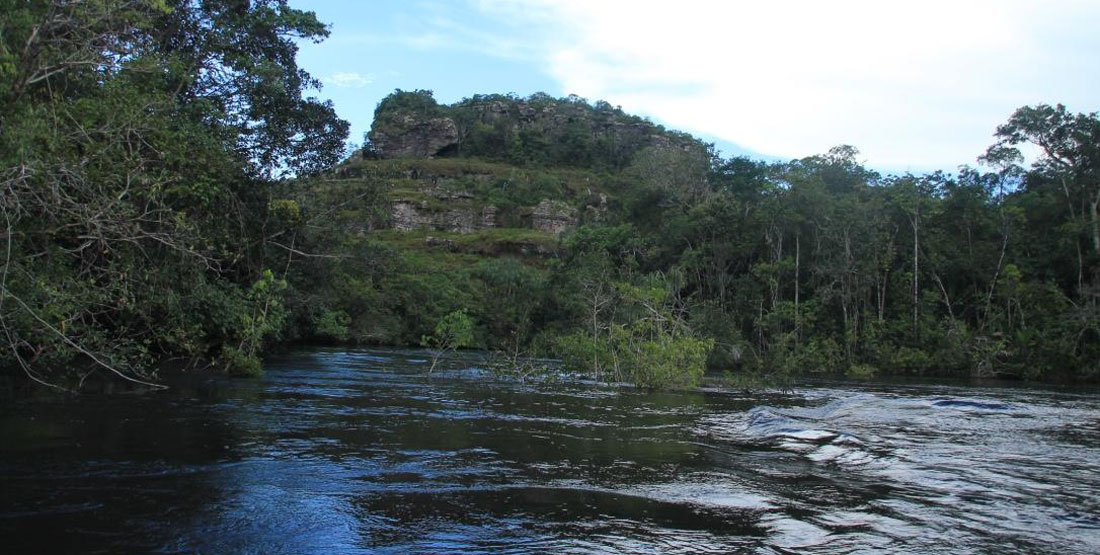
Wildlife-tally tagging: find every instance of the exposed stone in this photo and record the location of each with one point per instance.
(410, 137)
(526, 112)
(405, 216)
(497, 109)
(457, 220)
(488, 217)
(515, 248)
(409, 216)
(553, 216)
(664, 142)
(349, 172)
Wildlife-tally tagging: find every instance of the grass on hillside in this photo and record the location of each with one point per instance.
(482, 240)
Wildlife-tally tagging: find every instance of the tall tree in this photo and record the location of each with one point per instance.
(1069, 146)
(137, 143)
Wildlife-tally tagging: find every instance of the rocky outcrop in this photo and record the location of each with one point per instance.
(409, 216)
(488, 217)
(414, 125)
(550, 216)
(553, 216)
(405, 216)
(440, 243)
(410, 137)
(505, 247)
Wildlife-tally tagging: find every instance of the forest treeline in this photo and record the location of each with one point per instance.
(813, 266)
(159, 201)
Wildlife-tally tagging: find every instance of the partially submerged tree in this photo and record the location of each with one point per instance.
(454, 331)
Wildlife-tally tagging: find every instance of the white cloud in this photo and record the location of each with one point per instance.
(349, 80)
(911, 84)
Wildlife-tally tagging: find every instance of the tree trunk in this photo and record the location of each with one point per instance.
(1094, 211)
(797, 256)
(915, 221)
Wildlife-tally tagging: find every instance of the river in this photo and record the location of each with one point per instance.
(362, 452)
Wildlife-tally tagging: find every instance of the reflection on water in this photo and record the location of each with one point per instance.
(362, 452)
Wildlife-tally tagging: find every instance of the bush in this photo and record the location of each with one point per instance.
(861, 371)
(669, 361)
(240, 363)
(454, 331)
(333, 325)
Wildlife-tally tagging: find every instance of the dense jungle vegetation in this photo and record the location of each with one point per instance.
(168, 192)
(140, 143)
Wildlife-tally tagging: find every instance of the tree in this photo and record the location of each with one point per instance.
(1070, 158)
(233, 63)
(138, 141)
(454, 331)
(680, 174)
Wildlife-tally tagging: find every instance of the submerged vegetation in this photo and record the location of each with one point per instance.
(168, 192)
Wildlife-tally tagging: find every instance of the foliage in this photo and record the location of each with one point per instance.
(333, 325)
(420, 103)
(265, 316)
(632, 331)
(136, 156)
(454, 331)
(142, 219)
(814, 266)
(538, 130)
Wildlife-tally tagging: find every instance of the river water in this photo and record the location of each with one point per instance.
(361, 451)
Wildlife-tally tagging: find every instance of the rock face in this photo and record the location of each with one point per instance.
(418, 127)
(553, 216)
(414, 138)
(404, 216)
(488, 217)
(409, 216)
(550, 216)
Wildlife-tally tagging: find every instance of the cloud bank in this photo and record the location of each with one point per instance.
(914, 85)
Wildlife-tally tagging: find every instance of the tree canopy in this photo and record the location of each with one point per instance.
(136, 156)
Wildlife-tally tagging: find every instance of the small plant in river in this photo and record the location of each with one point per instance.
(516, 365)
(455, 330)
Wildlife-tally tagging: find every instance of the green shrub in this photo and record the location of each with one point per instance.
(861, 371)
(240, 363)
(454, 331)
(333, 325)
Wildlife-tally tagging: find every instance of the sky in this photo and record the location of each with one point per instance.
(915, 86)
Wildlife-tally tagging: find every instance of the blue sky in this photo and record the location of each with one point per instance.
(915, 86)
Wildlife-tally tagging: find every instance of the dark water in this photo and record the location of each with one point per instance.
(339, 452)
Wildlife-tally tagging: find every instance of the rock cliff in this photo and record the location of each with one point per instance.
(553, 216)
(536, 129)
(408, 215)
(410, 137)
